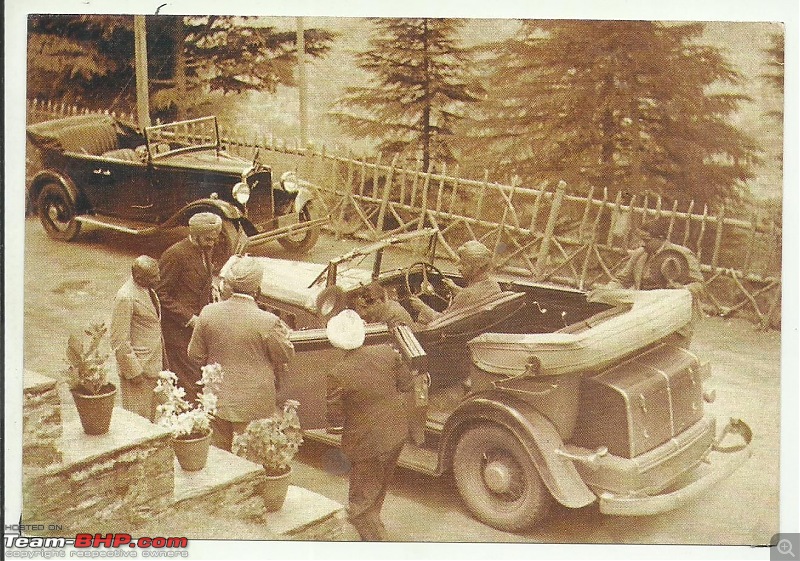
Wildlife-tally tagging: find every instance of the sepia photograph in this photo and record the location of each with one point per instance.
(406, 281)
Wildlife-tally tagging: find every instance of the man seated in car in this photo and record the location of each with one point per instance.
(474, 264)
(374, 304)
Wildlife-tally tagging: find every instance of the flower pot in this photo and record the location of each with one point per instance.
(95, 410)
(192, 453)
(274, 490)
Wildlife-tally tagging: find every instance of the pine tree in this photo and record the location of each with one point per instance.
(90, 58)
(419, 86)
(775, 76)
(626, 105)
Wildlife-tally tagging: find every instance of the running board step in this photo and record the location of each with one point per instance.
(422, 460)
(112, 223)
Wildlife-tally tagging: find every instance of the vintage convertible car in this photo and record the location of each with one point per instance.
(102, 171)
(538, 394)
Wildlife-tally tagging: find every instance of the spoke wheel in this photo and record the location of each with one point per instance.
(497, 479)
(57, 213)
(302, 241)
(431, 282)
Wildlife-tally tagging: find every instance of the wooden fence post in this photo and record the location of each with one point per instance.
(541, 258)
(387, 191)
(718, 239)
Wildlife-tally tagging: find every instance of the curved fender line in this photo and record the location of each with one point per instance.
(303, 196)
(536, 434)
(48, 175)
(218, 206)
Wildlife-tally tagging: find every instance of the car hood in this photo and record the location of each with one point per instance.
(290, 281)
(206, 160)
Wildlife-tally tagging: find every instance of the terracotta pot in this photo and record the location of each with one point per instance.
(95, 410)
(274, 490)
(192, 453)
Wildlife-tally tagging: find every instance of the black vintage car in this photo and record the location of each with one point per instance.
(102, 171)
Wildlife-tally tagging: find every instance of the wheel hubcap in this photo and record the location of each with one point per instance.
(498, 476)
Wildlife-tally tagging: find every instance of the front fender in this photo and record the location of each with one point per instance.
(534, 431)
(224, 209)
(303, 196)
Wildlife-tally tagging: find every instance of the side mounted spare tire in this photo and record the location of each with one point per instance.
(497, 480)
(303, 241)
(57, 213)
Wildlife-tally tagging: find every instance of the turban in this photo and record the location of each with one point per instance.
(346, 330)
(245, 275)
(205, 222)
(474, 253)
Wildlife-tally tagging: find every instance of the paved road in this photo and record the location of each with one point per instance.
(69, 284)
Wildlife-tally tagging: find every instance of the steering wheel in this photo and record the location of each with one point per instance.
(438, 289)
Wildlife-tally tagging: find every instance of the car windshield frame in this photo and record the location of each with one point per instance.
(156, 134)
(330, 272)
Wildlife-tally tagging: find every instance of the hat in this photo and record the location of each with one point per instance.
(205, 222)
(475, 253)
(244, 275)
(346, 330)
(656, 228)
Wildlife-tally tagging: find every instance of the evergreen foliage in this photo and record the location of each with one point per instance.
(633, 106)
(89, 59)
(419, 85)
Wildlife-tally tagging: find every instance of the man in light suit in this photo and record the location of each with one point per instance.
(251, 345)
(136, 337)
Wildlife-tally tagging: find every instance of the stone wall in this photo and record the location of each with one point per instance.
(41, 422)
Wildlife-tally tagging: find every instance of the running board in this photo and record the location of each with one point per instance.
(111, 223)
(422, 460)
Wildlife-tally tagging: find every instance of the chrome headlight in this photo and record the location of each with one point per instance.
(241, 192)
(289, 182)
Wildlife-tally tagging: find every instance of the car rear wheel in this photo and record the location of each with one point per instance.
(497, 480)
(305, 240)
(57, 213)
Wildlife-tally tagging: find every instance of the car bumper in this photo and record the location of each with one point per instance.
(717, 464)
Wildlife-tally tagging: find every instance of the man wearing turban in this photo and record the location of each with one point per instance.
(185, 287)
(474, 264)
(365, 396)
(252, 346)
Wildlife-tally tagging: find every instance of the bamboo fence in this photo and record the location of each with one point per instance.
(544, 232)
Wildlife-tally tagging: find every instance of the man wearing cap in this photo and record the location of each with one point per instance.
(136, 337)
(185, 287)
(366, 387)
(658, 263)
(251, 345)
(474, 264)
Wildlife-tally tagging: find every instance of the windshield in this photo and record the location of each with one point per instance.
(182, 136)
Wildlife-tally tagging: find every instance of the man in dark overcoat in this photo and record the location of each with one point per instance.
(366, 388)
(252, 346)
(185, 287)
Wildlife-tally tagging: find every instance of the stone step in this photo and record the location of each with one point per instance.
(108, 482)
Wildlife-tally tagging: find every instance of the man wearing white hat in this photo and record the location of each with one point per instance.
(251, 345)
(185, 287)
(366, 389)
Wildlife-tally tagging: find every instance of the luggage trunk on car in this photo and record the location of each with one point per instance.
(641, 403)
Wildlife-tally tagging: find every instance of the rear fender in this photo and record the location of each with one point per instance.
(537, 434)
(222, 208)
(52, 176)
(303, 196)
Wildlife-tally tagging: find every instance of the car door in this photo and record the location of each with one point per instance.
(114, 188)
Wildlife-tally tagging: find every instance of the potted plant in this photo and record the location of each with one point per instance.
(190, 423)
(273, 443)
(87, 377)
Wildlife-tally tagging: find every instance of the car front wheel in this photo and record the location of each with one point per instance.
(497, 479)
(305, 240)
(57, 213)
